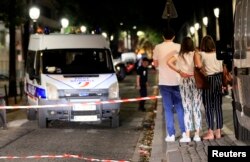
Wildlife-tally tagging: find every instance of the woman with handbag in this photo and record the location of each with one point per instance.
(183, 63)
(212, 97)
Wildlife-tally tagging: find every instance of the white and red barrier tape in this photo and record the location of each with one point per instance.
(82, 103)
(59, 156)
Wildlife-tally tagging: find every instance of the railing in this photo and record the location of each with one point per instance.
(5, 93)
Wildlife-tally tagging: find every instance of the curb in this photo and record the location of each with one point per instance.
(158, 149)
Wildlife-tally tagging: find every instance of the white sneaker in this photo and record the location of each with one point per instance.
(185, 138)
(170, 138)
(197, 138)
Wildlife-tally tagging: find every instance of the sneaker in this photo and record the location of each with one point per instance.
(197, 138)
(185, 138)
(170, 138)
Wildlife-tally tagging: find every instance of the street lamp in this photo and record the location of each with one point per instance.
(34, 14)
(204, 26)
(140, 34)
(197, 26)
(83, 29)
(216, 14)
(64, 23)
(105, 34)
(192, 30)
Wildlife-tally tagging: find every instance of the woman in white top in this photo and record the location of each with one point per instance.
(212, 97)
(183, 63)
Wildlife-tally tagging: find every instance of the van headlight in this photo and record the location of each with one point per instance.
(114, 91)
(52, 92)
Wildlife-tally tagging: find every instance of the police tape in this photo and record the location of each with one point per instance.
(67, 156)
(82, 103)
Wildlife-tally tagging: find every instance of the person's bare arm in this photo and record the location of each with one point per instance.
(156, 63)
(171, 63)
(197, 59)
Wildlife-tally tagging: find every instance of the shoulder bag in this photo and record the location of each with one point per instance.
(200, 79)
(226, 77)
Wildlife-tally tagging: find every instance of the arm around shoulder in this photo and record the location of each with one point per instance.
(197, 59)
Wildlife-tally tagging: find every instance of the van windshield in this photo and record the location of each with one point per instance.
(76, 61)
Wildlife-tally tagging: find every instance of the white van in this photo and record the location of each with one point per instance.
(71, 69)
(241, 71)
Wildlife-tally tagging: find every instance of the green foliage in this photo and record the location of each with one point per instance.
(153, 36)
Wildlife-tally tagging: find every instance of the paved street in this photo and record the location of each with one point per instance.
(23, 138)
(193, 151)
(161, 151)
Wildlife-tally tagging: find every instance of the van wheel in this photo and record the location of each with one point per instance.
(115, 121)
(31, 114)
(241, 133)
(42, 120)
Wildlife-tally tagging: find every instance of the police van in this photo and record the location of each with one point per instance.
(72, 70)
(241, 71)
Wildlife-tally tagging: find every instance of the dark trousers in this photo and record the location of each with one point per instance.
(143, 93)
(212, 100)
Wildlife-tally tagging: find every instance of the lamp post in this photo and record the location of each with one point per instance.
(233, 6)
(64, 23)
(196, 34)
(34, 14)
(204, 26)
(216, 14)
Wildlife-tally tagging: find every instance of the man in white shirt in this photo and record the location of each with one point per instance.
(169, 84)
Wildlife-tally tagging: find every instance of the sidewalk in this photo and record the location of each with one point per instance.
(193, 151)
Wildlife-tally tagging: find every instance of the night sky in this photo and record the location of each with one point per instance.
(109, 13)
(149, 12)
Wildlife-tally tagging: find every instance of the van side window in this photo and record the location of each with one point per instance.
(30, 69)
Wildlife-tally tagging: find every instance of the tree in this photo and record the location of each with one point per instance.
(12, 54)
(12, 13)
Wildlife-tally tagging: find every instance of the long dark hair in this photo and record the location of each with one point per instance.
(207, 44)
(187, 45)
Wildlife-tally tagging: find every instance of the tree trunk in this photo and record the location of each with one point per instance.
(12, 50)
(25, 40)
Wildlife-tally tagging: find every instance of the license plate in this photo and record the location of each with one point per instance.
(86, 118)
(81, 107)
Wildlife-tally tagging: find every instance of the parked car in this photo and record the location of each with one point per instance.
(129, 59)
(124, 63)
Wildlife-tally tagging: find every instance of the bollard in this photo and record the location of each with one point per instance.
(3, 121)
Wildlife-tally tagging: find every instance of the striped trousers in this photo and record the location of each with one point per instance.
(212, 100)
